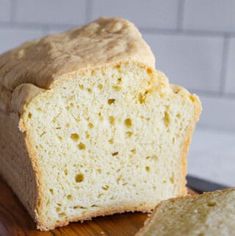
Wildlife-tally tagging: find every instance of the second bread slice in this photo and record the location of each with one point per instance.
(207, 214)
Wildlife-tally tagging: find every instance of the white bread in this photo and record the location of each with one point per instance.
(89, 128)
(208, 214)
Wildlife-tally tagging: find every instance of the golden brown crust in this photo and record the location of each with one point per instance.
(189, 132)
(38, 217)
(101, 42)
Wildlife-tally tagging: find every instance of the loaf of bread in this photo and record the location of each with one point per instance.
(89, 127)
(209, 214)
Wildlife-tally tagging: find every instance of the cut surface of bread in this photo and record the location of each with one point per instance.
(209, 214)
(89, 126)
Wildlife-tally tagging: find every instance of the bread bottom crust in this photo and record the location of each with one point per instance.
(104, 212)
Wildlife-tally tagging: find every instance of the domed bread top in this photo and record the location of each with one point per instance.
(104, 41)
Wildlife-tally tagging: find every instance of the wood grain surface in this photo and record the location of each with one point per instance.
(14, 220)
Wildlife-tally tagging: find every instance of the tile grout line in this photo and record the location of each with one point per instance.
(13, 10)
(186, 32)
(180, 17)
(212, 94)
(214, 128)
(29, 25)
(89, 4)
(153, 31)
(223, 70)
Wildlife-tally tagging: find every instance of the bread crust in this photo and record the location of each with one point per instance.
(188, 138)
(41, 62)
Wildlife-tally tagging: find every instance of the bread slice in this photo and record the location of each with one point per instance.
(89, 128)
(199, 215)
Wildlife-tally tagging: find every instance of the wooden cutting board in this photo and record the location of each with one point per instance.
(14, 220)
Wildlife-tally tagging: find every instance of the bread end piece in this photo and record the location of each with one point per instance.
(211, 213)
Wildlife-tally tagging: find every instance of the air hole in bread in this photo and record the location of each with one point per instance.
(166, 118)
(119, 179)
(105, 187)
(87, 135)
(79, 178)
(66, 171)
(111, 120)
(110, 141)
(100, 86)
(58, 209)
(69, 197)
(192, 98)
(30, 115)
(111, 101)
(128, 122)
(62, 214)
(43, 133)
(118, 67)
(129, 134)
(147, 168)
(90, 125)
(172, 179)
(133, 151)
(178, 115)
(155, 157)
(81, 146)
(51, 191)
(114, 153)
(116, 87)
(149, 71)
(141, 98)
(81, 86)
(75, 137)
(100, 116)
(211, 204)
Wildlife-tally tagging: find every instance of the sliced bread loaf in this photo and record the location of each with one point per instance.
(89, 128)
(209, 214)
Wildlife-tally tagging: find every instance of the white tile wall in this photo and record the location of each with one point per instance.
(212, 156)
(218, 112)
(230, 70)
(149, 14)
(12, 37)
(187, 36)
(5, 10)
(192, 61)
(210, 15)
(51, 12)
